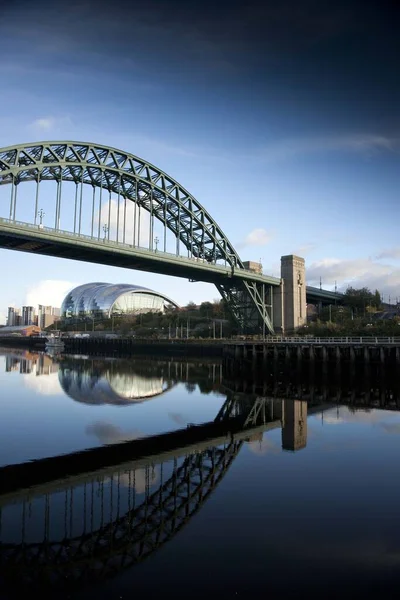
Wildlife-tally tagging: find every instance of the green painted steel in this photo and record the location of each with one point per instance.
(149, 188)
(125, 174)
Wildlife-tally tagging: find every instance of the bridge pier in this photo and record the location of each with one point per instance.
(289, 299)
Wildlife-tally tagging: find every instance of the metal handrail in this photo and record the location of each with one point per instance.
(333, 340)
(113, 243)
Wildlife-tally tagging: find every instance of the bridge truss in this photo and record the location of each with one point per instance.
(121, 521)
(103, 203)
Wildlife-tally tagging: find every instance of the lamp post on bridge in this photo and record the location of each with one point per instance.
(41, 214)
(156, 240)
(105, 229)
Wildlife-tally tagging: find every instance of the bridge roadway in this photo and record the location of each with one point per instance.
(25, 237)
(54, 474)
(16, 235)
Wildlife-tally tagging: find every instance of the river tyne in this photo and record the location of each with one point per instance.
(125, 477)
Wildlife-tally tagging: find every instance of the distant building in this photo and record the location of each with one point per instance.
(19, 331)
(255, 267)
(47, 315)
(102, 300)
(28, 315)
(13, 317)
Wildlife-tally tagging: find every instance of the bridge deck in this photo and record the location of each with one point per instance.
(15, 235)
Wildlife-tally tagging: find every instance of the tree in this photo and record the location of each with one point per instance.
(206, 309)
(190, 306)
(361, 298)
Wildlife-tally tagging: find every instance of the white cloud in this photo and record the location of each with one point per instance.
(367, 416)
(263, 446)
(46, 385)
(107, 433)
(358, 272)
(303, 250)
(50, 292)
(144, 221)
(49, 123)
(389, 253)
(360, 143)
(256, 237)
(138, 478)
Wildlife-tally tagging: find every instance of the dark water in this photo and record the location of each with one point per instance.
(275, 497)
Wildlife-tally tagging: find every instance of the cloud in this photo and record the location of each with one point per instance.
(177, 418)
(50, 292)
(256, 237)
(304, 249)
(367, 416)
(137, 479)
(144, 221)
(107, 433)
(358, 272)
(263, 446)
(366, 144)
(393, 428)
(49, 123)
(389, 253)
(46, 385)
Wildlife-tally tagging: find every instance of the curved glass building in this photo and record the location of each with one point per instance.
(102, 300)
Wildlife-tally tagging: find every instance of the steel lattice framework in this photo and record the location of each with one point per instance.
(133, 179)
(128, 539)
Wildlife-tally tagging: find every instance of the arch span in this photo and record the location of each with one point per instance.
(131, 179)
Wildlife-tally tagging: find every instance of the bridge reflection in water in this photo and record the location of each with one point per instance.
(72, 520)
(80, 526)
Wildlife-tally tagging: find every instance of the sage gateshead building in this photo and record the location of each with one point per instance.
(104, 300)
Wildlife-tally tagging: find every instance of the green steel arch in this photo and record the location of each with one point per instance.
(125, 174)
(135, 179)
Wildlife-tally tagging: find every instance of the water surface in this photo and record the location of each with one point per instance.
(303, 498)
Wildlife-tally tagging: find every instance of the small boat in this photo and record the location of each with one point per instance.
(54, 342)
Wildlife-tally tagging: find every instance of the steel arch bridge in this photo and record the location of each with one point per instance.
(132, 532)
(122, 189)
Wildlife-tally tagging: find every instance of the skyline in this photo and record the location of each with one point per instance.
(282, 121)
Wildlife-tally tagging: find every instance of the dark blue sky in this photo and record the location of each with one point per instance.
(288, 109)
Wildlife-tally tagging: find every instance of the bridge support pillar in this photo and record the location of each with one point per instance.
(293, 274)
(278, 295)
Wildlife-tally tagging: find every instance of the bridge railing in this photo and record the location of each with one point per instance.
(333, 340)
(115, 244)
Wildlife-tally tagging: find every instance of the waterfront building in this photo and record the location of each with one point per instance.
(47, 315)
(28, 315)
(104, 300)
(19, 331)
(13, 317)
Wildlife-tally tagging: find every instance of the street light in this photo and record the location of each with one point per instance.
(156, 240)
(41, 214)
(105, 229)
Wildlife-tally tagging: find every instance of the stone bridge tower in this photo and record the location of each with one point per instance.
(290, 308)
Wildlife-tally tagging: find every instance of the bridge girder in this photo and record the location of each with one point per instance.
(130, 538)
(136, 180)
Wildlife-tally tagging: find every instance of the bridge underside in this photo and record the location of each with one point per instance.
(246, 299)
(84, 189)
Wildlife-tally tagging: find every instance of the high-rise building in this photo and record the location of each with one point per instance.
(28, 315)
(13, 317)
(47, 315)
